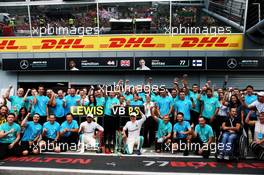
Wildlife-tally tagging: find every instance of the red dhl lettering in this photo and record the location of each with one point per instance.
(62, 44)
(204, 42)
(131, 42)
(8, 44)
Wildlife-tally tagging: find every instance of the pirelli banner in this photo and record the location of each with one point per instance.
(123, 43)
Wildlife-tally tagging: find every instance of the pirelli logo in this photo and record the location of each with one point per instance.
(119, 43)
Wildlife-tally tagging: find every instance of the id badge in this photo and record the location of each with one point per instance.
(260, 136)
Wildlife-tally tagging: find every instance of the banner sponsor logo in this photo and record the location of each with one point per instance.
(120, 43)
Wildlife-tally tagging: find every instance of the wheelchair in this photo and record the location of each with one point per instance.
(240, 146)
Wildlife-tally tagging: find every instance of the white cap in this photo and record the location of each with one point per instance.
(261, 93)
(133, 114)
(90, 115)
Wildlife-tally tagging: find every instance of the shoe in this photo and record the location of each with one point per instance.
(226, 157)
(220, 157)
(186, 153)
(138, 152)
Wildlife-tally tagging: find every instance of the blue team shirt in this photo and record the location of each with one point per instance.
(163, 129)
(17, 102)
(11, 137)
(67, 125)
(204, 132)
(52, 129)
(32, 130)
(210, 105)
(178, 128)
(108, 105)
(41, 105)
(196, 101)
(184, 106)
(164, 104)
(248, 100)
(71, 101)
(100, 101)
(136, 103)
(58, 110)
(142, 95)
(30, 99)
(128, 97)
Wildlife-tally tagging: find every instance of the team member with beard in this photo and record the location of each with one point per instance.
(9, 137)
(3, 114)
(31, 135)
(41, 104)
(90, 131)
(181, 133)
(195, 112)
(58, 110)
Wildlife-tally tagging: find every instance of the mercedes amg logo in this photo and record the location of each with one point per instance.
(232, 63)
(24, 64)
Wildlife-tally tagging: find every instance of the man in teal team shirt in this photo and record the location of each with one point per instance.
(17, 101)
(203, 135)
(210, 107)
(164, 103)
(58, 110)
(195, 96)
(31, 135)
(136, 101)
(50, 135)
(9, 137)
(184, 106)
(69, 133)
(109, 120)
(41, 104)
(71, 100)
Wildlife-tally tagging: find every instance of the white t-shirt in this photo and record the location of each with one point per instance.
(147, 107)
(134, 128)
(258, 105)
(89, 128)
(259, 129)
(143, 68)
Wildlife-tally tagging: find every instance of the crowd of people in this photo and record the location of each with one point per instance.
(39, 120)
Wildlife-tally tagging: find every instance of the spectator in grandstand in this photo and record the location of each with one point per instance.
(142, 65)
(68, 133)
(3, 114)
(210, 106)
(71, 100)
(90, 134)
(9, 137)
(17, 101)
(40, 102)
(184, 106)
(58, 109)
(150, 124)
(231, 128)
(203, 135)
(257, 146)
(134, 139)
(50, 135)
(181, 134)
(31, 136)
(163, 134)
(110, 127)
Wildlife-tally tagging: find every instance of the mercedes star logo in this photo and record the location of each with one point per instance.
(232, 63)
(24, 64)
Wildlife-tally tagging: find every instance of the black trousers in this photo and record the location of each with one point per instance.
(206, 153)
(194, 117)
(150, 127)
(217, 124)
(67, 142)
(5, 151)
(109, 129)
(42, 119)
(60, 120)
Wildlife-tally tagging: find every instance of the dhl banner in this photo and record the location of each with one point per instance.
(123, 43)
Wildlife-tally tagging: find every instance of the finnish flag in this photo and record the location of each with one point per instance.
(197, 63)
